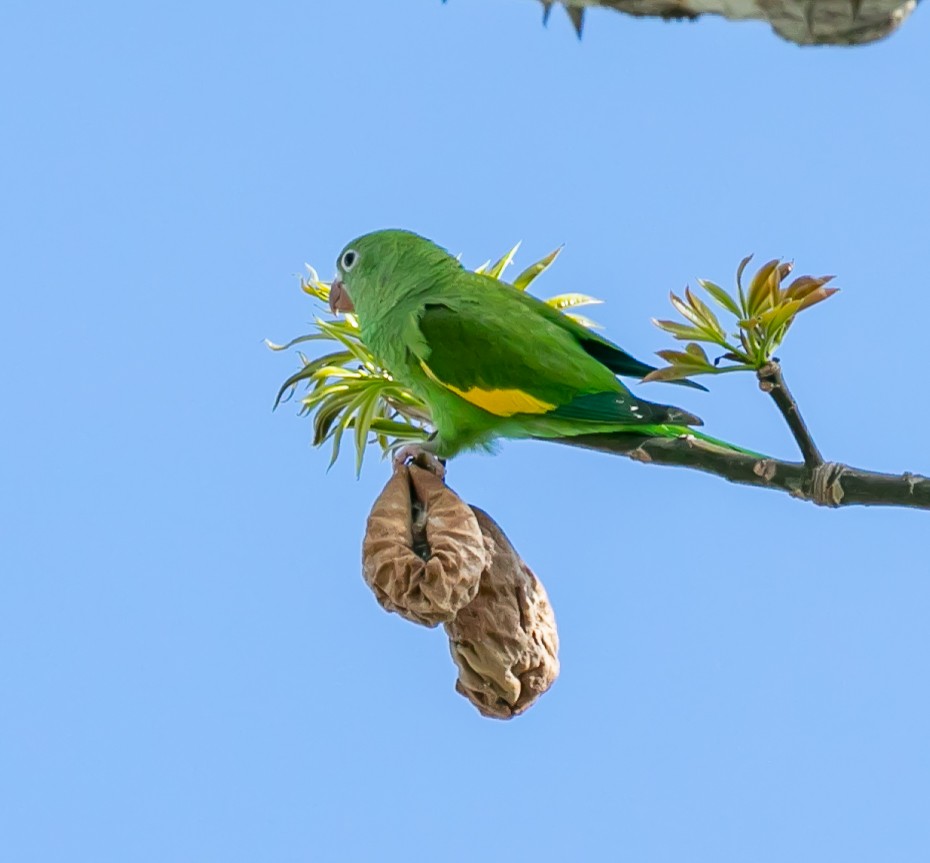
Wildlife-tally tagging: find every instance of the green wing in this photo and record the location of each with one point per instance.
(596, 346)
(498, 352)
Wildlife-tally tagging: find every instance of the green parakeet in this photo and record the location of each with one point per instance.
(488, 360)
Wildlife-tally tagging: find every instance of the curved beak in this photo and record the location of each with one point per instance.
(339, 299)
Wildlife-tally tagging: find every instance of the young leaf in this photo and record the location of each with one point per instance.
(363, 420)
(816, 296)
(523, 281)
(721, 296)
(712, 325)
(686, 358)
(804, 285)
(586, 322)
(496, 270)
(739, 281)
(761, 288)
(686, 311)
(572, 301)
(696, 351)
(674, 373)
(679, 331)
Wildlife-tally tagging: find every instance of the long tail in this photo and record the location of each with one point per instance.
(721, 443)
(674, 431)
(644, 430)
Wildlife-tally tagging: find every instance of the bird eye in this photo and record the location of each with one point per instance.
(349, 259)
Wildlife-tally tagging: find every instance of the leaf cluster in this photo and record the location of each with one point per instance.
(763, 313)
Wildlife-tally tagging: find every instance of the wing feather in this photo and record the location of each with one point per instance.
(497, 352)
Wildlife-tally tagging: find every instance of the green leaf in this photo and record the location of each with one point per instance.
(685, 358)
(721, 296)
(739, 281)
(331, 394)
(584, 321)
(817, 296)
(398, 429)
(313, 337)
(350, 340)
(761, 288)
(363, 420)
(784, 270)
(680, 331)
(775, 318)
(329, 412)
(309, 370)
(686, 311)
(696, 351)
(523, 281)
(572, 301)
(676, 373)
(337, 372)
(348, 417)
(497, 269)
(706, 314)
(313, 286)
(804, 285)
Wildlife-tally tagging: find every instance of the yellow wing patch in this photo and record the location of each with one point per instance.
(502, 403)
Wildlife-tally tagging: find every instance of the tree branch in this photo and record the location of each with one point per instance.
(824, 22)
(772, 382)
(828, 484)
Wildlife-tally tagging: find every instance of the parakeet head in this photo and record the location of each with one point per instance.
(378, 269)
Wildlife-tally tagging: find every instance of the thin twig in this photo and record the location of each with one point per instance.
(772, 382)
(844, 485)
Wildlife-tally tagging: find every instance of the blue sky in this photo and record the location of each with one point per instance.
(192, 668)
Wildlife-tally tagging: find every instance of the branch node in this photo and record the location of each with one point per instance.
(765, 468)
(828, 484)
(825, 487)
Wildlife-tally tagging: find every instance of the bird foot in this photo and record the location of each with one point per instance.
(422, 457)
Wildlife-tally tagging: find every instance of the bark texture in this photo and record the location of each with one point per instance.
(828, 484)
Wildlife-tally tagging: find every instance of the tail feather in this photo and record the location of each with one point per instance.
(674, 431)
(617, 408)
(723, 444)
(664, 431)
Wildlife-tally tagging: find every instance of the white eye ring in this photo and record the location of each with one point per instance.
(349, 259)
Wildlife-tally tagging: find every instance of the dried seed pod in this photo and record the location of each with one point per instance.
(504, 642)
(423, 552)
(431, 558)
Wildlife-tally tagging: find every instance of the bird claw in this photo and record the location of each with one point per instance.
(422, 457)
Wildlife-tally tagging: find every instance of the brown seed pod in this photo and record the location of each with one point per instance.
(504, 642)
(423, 552)
(431, 558)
